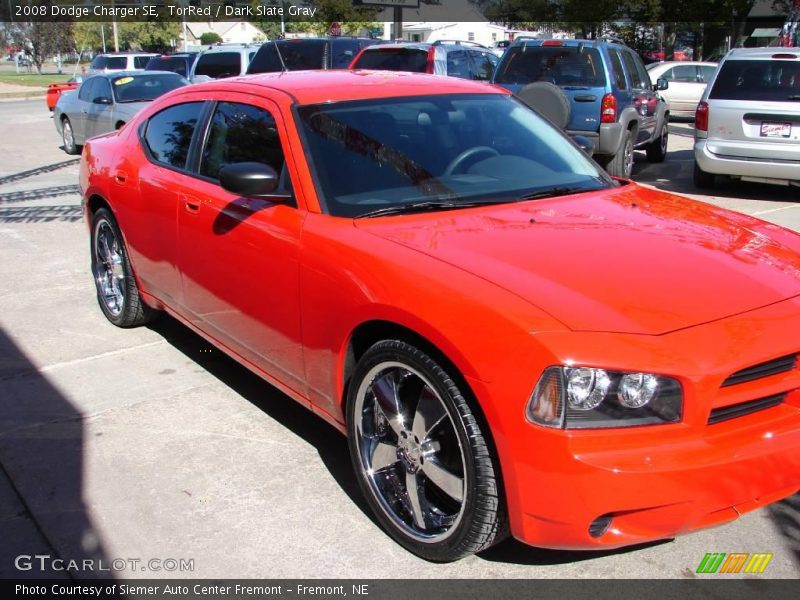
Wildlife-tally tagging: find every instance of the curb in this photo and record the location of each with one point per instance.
(22, 95)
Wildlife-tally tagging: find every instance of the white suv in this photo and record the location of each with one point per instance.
(747, 124)
(223, 60)
(119, 61)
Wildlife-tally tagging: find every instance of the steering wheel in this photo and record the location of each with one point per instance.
(468, 153)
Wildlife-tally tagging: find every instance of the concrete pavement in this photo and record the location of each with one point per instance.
(148, 444)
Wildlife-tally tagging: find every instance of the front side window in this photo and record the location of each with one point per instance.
(167, 63)
(87, 89)
(707, 72)
(637, 82)
(266, 60)
(378, 154)
(241, 133)
(683, 73)
(140, 62)
(458, 64)
(102, 89)
(169, 133)
(484, 64)
(616, 66)
(218, 65)
(343, 52)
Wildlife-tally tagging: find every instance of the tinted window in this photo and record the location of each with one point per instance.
(561, 65)
(483, 64)
(241, 133)
(166, 63)
(637, 82)
(143, 88)
(140, 62)
(219, 64)
(87, 89)
(394, 59)
(102, 89)
(767, 80)
(458, 64)
(302, 54)
(617, 73)
(266, 60)
(370, 155)
(343, 52)
(169, 133)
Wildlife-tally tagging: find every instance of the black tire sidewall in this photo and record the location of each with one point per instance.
(452, 547)
(73, 149)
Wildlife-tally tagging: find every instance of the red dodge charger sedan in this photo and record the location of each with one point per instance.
(511, 340)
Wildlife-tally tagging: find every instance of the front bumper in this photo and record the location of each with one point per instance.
(659, 481)
(756, 168)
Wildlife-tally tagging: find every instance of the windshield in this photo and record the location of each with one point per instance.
(562, 65)
(109, 62)
(143, 88)
(372, 155)
(763, 80)
(394, 59)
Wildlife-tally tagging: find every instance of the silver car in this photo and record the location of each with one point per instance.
(747, 124)
(687, 82)
(106, 102)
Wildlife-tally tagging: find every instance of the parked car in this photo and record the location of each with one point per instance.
(608, 92)
(508, 336)
(747, 124)
(334, 52)
(687, 82)
(467, 60)
(119, 61)
(54, 91)
(223, 60)
(180, 63)
(106, 102)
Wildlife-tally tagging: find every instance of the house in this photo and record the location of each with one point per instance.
(237, 32)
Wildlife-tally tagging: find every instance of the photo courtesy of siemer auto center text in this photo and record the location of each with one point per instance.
(399, 299)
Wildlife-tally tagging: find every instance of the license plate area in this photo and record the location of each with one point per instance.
(771, 129)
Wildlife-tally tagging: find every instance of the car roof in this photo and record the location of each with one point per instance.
(762, 53)
(232, 47)
(137, 73)
(312, 87)
(671, 63)
(127, 54)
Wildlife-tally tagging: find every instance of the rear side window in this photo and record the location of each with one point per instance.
(707, 72)
(303, 54)
(343, 52)
(458, 64)
(99, 62)
(562, 65)
(140, 62)
(266, 60)
(394, 59)
(241, 133)
(219, 64)
(764, 80)
(176, 65)
(483, 64)
(169, 133)
(618, 73)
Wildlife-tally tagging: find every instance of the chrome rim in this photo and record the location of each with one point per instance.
(69, 138)
(410, 452)
(108, 271)
(628, 158)
(664, 135)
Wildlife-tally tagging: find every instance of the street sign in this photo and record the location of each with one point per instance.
(335, 29)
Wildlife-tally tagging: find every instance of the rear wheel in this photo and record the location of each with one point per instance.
(68, 137)
(621, 164)
(117, 292)
(702, 179)
(657, 149)
(420, 455)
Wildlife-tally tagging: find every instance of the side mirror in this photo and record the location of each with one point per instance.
(661, 85)
(250, 180)
(102, 100)
(584, 144)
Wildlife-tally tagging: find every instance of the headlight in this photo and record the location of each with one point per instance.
(584, 398)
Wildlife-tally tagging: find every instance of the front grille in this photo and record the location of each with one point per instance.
(765, 369)
(725, 413)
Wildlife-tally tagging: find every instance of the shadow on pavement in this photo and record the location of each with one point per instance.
(38, 194)
(42, 214)
(786, 515)
(38, 171)
(42, 510)
(514, 552)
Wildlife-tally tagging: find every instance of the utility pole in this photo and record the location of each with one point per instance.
(398, 22)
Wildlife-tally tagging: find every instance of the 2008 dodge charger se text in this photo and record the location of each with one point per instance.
(511, 340)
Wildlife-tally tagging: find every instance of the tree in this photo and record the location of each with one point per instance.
(42, 40)
(151, 36)
(88, 36)
(210, 37)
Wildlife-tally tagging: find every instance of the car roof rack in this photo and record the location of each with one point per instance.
(611, 39)
(525, 38)
(459, 43)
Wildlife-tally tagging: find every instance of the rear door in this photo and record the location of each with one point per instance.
(754, 109)
(645, 100)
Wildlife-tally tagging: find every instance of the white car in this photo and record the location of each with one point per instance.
(119, 61)
(687, 82)
(747, 124)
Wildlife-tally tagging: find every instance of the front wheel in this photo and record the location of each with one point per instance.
(117, 291)
(420, 455)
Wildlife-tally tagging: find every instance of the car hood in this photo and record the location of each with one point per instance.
(627, 260)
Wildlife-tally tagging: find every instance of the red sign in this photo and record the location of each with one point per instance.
(335, 29)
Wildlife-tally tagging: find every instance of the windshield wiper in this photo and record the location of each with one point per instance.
(426, 205)
(552, 192)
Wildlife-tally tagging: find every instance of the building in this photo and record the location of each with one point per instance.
(236, 32)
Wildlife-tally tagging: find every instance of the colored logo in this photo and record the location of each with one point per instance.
(734, 562)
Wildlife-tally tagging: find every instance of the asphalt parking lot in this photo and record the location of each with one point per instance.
(149, 445)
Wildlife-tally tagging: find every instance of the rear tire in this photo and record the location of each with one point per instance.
(702, 179)
(657, 149)
(117, 291)
(68, 137)
(621, 164)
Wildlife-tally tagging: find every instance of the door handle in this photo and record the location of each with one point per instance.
(191, 205)
(120, 176)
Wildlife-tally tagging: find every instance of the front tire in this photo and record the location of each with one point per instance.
(117, 291)
(68, 137)
(420, 455)
(621, 164)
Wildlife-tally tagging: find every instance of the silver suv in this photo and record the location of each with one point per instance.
(747, 124)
